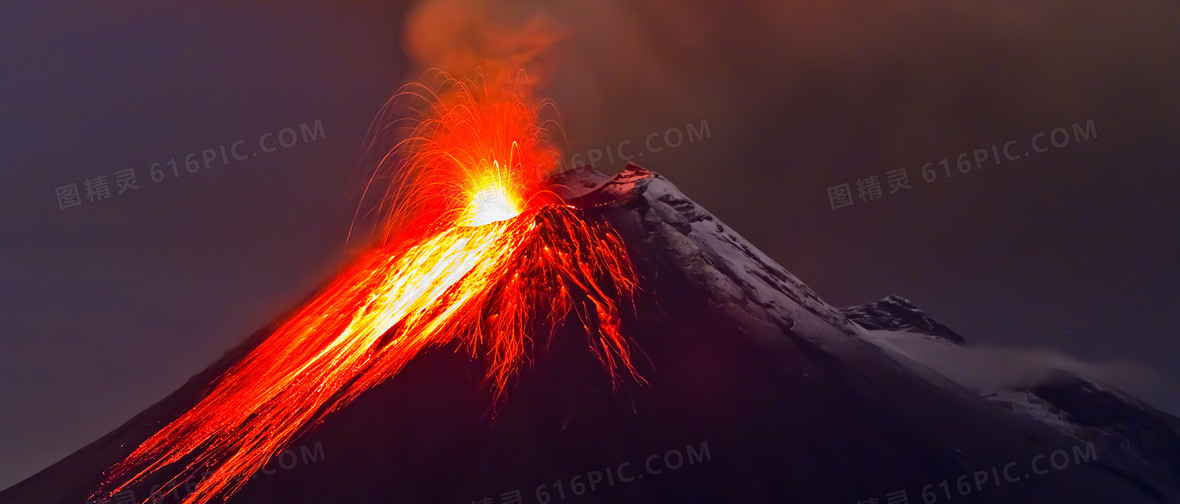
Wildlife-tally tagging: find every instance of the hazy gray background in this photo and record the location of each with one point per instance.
(107, 307)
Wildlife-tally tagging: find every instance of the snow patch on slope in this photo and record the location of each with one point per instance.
(1006, 376)
(987, 369)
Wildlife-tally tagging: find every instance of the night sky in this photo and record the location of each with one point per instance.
(107, 306)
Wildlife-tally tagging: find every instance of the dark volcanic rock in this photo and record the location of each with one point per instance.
(1145, 438)
(896, 313)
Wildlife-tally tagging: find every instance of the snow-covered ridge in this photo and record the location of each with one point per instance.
(736, 272)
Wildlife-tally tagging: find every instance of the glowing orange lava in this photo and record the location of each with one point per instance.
(478, 253)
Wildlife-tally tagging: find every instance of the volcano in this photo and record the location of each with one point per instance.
(753, 390)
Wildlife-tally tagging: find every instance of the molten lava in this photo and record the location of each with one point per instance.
(477, 253)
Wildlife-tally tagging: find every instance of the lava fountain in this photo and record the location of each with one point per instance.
(474, 250)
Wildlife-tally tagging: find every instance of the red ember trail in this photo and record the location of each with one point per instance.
(478, 252)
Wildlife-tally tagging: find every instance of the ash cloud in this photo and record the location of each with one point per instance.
(463, 37)
(882, 77)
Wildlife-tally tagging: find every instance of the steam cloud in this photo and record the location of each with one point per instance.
(987, 369)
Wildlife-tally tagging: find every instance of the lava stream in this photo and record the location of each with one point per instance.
(484, 256)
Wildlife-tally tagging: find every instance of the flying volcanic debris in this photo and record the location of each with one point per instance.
(475, 250)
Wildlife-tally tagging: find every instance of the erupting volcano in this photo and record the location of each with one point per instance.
(476, 249)
(484, 349)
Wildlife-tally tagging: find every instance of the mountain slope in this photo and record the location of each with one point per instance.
(757, 391)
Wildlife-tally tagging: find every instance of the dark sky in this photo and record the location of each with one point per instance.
(108, 306)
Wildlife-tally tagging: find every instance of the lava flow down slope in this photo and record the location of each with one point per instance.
(519, 337)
